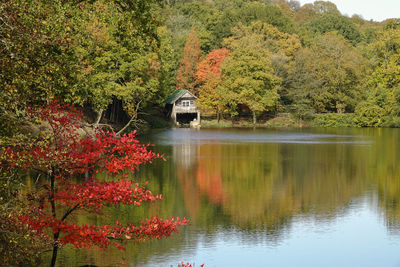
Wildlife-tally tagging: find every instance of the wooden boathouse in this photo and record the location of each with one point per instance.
(182, 109)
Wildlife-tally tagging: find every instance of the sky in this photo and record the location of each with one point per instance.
(376, 10)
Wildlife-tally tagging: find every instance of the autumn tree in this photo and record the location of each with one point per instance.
(69, 163)
(119, 55)
(209, 75)
(85, 53)
(328, 75)
(384, 82)
(248, 75)
(281, 47)
(186, 77)
(36, 62)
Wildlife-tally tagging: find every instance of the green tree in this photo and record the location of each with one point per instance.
(205, 19)
(167, 68)
(336, 22)
(384, 82)
(250, 12)
(308, 12)
(119, 57)
(248, 76)
(81, 53)
(282, 47)
(328, 75)
(36, 61)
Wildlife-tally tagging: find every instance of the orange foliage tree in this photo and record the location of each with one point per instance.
(209, 76)
(186, 77)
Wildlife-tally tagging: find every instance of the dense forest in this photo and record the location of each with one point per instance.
(259, 57)
(116, 61)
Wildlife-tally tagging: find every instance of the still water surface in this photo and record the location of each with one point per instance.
(308, 197)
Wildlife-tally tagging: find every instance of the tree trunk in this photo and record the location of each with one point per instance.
(53, 211)
(254, 118)
(218, 116)
(55, 249)
(98, 119)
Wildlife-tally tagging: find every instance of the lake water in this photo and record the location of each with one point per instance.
(301, 197)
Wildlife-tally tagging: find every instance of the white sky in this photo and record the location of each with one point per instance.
(377, 10)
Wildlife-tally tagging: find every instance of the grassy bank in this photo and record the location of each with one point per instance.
(277, 122)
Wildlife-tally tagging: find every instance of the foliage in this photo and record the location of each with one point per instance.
(211, 64)
(334, 120)
(369, 115)
(186, 77)
(86, 53)
(328, 75)
(119, 58)
(248, 76)
(382, 107)
(281, 47)
(209, 74)
(19, 245)
(62, 156)
(36, 62)
(205, 20)
(249, 12)
(343, 25)
(98, 53)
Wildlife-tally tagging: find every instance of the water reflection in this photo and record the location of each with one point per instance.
(256, 192)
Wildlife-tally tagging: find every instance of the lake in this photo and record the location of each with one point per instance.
(267, 197)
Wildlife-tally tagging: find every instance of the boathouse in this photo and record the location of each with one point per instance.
(181, 107)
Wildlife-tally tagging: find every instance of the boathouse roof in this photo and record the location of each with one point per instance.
(176, 95)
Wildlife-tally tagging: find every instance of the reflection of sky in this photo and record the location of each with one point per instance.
(189, 136)
(358, 238)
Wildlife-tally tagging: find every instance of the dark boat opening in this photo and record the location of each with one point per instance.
(185, 118)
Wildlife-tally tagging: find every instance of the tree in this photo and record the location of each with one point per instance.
(247, 74)
(186, 77)
(249, 12)
(211, 64)
(329, 75)
(384, 82)
(118, 54)
(336, 22)
(36, 62)
(83, 52)
(205, 18)
(325, 7)
(281, 46)
(19, 245)
(167, 68)
(69, 164)
(209, 75)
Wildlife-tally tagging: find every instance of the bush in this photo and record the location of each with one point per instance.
(334, 120)
(369, 115)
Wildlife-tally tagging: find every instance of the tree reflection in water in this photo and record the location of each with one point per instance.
(253, 186)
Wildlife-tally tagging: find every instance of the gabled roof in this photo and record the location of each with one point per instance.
(176, 95)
